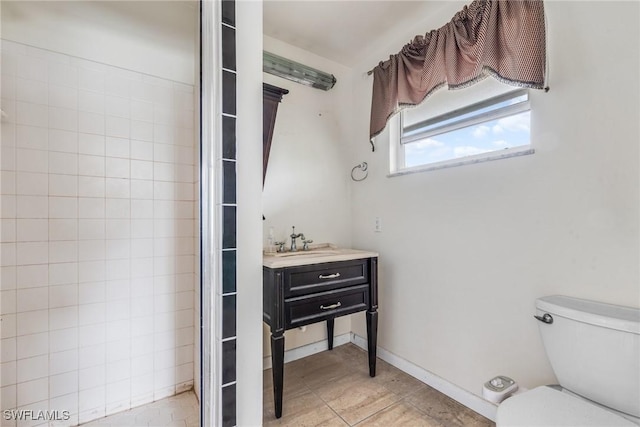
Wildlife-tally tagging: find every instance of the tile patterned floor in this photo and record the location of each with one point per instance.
(333, 388)
(181, 410)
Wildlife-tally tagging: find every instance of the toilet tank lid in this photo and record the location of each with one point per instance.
(611, 316)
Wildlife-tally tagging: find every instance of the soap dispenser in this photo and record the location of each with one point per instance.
(270, 241)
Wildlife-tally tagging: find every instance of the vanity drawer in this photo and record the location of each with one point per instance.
(302, 311)
(322, 277)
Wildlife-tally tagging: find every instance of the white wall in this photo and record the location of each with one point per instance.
(249, 188)
(307, 181)
(465, 251)
(305, 185)
(98, 30)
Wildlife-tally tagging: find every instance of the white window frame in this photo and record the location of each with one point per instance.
(398, 141)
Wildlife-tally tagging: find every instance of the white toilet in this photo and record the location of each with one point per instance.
(594, 349)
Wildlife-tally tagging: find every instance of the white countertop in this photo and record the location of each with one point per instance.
(316, 255)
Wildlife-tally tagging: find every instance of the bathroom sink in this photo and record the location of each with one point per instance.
(310, 252)
(318, 253)
(319, 249)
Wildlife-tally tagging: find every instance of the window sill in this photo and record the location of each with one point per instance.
(480, 158)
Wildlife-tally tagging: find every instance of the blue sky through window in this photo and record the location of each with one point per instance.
(494, 135)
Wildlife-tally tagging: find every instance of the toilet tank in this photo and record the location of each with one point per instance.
(594, 350)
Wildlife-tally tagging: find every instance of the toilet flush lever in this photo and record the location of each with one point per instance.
(545, 319)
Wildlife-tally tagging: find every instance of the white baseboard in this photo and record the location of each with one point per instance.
(470, 400)
(308, 350)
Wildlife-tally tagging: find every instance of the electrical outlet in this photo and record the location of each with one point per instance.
(378, 226)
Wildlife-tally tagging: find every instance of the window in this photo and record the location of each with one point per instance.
(458, 131)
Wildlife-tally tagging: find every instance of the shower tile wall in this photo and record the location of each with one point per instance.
(97, 236)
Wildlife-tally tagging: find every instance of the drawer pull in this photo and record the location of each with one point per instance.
(331, 307)
(329, 276)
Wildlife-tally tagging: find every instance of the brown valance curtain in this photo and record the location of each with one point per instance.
(504, 39)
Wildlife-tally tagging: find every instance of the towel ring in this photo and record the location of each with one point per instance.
(363, 167)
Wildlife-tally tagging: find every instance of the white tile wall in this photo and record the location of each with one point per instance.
(98, 236)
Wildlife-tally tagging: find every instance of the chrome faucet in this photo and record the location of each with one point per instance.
(305, 245)
(294, 236)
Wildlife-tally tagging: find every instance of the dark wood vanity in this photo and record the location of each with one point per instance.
(301, 291)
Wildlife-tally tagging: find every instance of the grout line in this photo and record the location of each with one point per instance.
(420, 410)
(325, 402)
(334, 411)
(377, 412)
(224, 24)
(104, 64)
(403, 399)
(465, 398)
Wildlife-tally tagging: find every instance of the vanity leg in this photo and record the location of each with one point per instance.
(372, 340)
(330, 332)
(277, 363)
